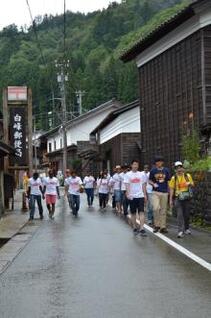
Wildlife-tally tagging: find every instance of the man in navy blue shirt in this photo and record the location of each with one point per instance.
(159, 178)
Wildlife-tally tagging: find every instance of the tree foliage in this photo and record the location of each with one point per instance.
(191, 147)
(93, 44)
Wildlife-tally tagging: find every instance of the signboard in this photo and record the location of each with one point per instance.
(17, 93)
(18, 135)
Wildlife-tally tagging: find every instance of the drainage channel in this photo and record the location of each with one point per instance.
(3, 241)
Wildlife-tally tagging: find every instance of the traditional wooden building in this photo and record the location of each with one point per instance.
(78, 131)
(118, 137)
(174, 63)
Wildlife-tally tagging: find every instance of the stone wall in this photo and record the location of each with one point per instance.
(201, 203)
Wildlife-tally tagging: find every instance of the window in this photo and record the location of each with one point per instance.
(60, 143)
(49, 147)
(54, 144)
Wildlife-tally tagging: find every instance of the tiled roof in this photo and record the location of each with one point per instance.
(115, 114)
(181, 16)
(111, 103)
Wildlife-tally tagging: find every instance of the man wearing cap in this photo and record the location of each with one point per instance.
(159, 178)
(180, 196)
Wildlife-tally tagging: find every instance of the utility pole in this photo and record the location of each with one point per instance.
(53, 105)
(36, 143)
(35, 146)
(79, 95)
(62, 78)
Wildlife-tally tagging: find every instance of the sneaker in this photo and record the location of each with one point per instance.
(135, 232)
(156, 229)
(143, 233)
(188, 232)
(180, 235)
(41, 216)
(164, 231)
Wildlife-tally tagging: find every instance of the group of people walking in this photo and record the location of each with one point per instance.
(46, 189)
(141, 193)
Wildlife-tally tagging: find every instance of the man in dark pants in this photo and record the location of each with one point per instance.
(135, 182)
(68, 175)
(35, 194)
(125, 201)
(89, 184)
(73, 186)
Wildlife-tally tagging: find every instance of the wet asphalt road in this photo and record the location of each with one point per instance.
(93, 267)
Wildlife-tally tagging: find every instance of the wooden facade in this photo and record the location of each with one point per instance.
(174, 64)
(120, 150)
(171, 89)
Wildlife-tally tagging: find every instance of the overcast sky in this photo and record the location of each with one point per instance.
(15, 11)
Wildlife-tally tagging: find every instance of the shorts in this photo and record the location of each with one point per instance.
(136, 205)
(118, 196)
(50, 199)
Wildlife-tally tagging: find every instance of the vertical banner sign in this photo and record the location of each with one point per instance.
(18, 135)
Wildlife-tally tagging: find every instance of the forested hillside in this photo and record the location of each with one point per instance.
(93, 45)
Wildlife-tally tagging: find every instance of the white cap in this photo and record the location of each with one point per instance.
(178, 163)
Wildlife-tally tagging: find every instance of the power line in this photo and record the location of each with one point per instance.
(64, 30)
(39, 46)
(35, 33)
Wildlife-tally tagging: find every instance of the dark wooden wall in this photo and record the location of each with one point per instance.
(121, 149)
(207, 72)
(171, 89)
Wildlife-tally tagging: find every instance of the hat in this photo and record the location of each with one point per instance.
(125, 165)
(158, 158)
(178, 164)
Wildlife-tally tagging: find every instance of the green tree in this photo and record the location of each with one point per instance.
(191, 147)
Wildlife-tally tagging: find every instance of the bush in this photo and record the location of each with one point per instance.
(191, 147)
(201, 165)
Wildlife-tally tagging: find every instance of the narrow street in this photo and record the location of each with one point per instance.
(94, 267)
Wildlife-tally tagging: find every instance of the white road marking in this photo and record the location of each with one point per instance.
(180, 248)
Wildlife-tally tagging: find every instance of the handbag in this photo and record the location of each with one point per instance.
(81, 190)
(184, 195)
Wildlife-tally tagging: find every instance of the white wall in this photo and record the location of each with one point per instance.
(79, 131)
(127, 122)
(82, 131)
(199, 21)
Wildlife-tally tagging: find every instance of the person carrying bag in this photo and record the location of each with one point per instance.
(181, 192)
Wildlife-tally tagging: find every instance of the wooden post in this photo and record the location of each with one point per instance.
(5, 126)
(30, 146)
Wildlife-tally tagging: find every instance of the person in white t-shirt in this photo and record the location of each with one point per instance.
(67, 175)
(103, 190)
(136, 193)
(73, 188)
(35, 191)
(89, 184)
(51, 192)
(149, 189)
(115, 183)
(125, 202)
